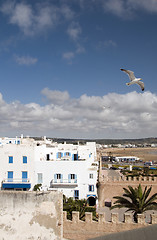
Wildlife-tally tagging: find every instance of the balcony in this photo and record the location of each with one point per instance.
(13, 183)
(63, 183)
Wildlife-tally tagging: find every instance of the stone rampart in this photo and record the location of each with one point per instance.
(31, 215)
(104, 179)
(109, 187)
(77, 229)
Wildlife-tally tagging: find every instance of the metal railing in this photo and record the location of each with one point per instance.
(16, 180)
(64, 181)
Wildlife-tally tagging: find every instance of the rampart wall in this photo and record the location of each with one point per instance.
(31, 215)
(82, 230)
(109, 187)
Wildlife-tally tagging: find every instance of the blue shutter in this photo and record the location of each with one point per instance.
(24, 159)
(70, 154)
(24, 176)
(10, 176)
(76, 156)
(89, 155)
(61, 178)
(73, 157)
(55, 178)
(65, 154)
(75, 178)
(10, 159)
(69, 178)
(61, 154)
(57, 155)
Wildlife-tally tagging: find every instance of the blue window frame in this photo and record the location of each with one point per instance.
(10, 159)
(10, 176)
(91, 188)
(24, 176)
(24, 159)
(76, 194)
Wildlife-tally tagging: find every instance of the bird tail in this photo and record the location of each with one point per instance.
(128, 84)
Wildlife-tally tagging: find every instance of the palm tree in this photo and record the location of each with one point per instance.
(136, 200)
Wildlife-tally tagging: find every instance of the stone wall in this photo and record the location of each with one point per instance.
(31, 215)
(110, 187)
(82, 230)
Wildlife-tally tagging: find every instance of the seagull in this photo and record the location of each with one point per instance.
(133, 79)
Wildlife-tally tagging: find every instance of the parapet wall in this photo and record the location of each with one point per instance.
(109, 187)
(31, 215)
(89, 228)
(128, 179)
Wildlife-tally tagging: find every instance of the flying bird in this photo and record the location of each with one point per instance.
(133, 79)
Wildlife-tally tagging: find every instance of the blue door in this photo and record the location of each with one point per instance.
(10, 176)
(24, 176)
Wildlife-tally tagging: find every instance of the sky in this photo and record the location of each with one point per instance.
(60, 66)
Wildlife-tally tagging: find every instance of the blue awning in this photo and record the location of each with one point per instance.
(91, 195)
(16, 185)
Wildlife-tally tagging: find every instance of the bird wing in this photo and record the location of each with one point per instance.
(130, 73)
(141, 84)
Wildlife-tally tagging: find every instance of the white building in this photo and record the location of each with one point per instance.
(127, 159)
(71, 169)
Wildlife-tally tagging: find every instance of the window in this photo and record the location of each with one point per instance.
(10, 176)
(59, 154)
(58, 176)
(75, 157)
(40, 178)
(76, 194)
(10, 159)
(72, 176)
(67, 154)
(91, 188)
(24, 159)
(47, 157)
(91, 175)
(24, 176)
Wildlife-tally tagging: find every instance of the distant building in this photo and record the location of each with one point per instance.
(127, 159)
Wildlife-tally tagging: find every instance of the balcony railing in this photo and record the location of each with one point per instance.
(62, 182)
(16, 183)
(16, 180)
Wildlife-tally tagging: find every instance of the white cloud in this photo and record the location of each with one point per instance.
(74, 31)
(34, 19)
(120, 8)
(55, 97)
(150, 6)
(106, 44)
(128, 8)
(25, 60)
(110, 116)
(68, 56)
(67, 12)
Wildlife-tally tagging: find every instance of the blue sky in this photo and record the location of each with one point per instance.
(60, 68)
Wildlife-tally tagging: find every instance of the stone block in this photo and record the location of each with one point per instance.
(127, 218)
(114, 217)
(140, 218)
(75, 216)
(153, 218)
(88, 217)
